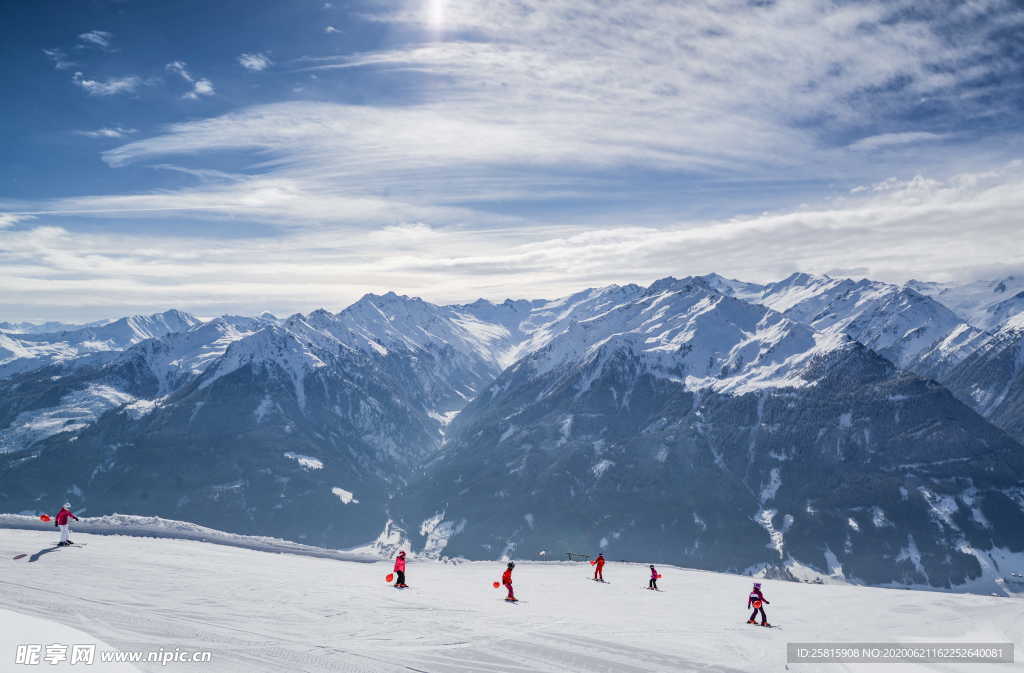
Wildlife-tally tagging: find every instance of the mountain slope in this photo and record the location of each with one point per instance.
(278, 435)
(992, 378)
(261, 612)
(25, 351)
(986, 304)
(898, 323)
(696, 426)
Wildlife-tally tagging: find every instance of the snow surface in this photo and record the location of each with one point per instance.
(346, 497)
(307, 462)
(21, 629)
(269, 612)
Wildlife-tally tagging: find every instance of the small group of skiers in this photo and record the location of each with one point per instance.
(755, 600)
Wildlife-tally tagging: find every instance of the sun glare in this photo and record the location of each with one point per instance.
(435, 14)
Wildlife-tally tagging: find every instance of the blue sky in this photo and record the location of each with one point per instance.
(247, 156)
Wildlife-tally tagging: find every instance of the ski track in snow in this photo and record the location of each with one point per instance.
(259, 611)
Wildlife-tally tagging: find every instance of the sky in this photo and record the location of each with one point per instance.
(240, 156)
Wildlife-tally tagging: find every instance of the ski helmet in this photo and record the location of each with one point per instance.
(67, 505)
(511, 565)
(757, 585)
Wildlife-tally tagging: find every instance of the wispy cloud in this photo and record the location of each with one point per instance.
(200, 86)
(96, 38)
(331, 29)
(255, 62)
(871, 233)
(60, 59)
(108, 132)
(548, 100)
(10, 219)
(893, 139)
(109, 87)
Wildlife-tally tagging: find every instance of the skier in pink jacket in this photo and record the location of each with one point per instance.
(653, 584)
(400, 570)
(60, 520)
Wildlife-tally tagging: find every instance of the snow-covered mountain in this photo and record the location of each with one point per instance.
(25, 351)
(898, 323)
(992, 378)
(687, 424)
(986, 304)
(733, 425)
(46, 327)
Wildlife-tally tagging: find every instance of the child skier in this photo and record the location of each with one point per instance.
(400, 570)
(599, 568)
(654, 579)
(506, 579)
(757, 601)
(60, 520)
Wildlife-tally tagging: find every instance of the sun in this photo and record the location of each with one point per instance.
(435, 14)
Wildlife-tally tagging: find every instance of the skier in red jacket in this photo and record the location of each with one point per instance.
(506, 579)
(60, 520)
(599, 568)
(757, 601)
(400, 570)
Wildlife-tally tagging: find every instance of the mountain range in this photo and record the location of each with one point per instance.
(849, 428)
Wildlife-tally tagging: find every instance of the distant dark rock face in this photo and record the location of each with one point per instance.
(881, 474)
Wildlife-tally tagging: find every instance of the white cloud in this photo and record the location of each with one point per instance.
(893, 139)
(60, 59)
(331, 29)
(255, 62)
(300, 269)
(109, 87)
(586, 100)
(108, 132)
(200, 86)
(98, 38)
(10, 219)
(179, 68)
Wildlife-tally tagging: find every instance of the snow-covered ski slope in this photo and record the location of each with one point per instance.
(260, 611)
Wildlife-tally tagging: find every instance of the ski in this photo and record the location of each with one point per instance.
(20, 556)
